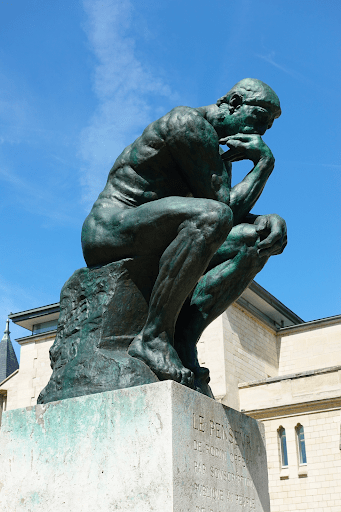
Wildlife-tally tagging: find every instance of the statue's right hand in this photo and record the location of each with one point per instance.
(248, 147)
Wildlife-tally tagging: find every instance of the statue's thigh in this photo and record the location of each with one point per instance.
(151, 228)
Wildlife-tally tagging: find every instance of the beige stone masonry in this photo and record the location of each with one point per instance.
(263, 397)
(237, 347)
(316, 486)
(310, 346)
(23, 388)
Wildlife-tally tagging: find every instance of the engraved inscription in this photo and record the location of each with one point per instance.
(213, 451)
(204, 509)
(239, 499)
(198, 422)
(235, 438)
(218, 495)
(199, 467)
(208, 492)
(223, 454)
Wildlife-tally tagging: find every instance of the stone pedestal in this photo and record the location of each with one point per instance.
(159, 447)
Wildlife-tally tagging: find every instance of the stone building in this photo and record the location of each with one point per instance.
(264, 361)
(8, 362)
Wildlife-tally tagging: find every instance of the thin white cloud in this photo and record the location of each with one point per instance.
(15, 113)
(35, 199)
(270, 58)
(123, 86)
(21, 127)
(12, 298)
(312, 164)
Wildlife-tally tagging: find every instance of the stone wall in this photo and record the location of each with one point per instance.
(211, 355)
(316, 486)
(256, 351)
(311, 399)
(34, 372)
(237, 348)
(311, 346)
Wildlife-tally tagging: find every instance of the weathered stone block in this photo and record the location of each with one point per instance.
(101, 311)
(143, 449)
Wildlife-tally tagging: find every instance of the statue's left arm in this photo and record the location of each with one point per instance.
(272, 229)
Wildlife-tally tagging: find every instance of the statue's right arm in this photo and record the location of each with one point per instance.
(245, 194)
(194, 146)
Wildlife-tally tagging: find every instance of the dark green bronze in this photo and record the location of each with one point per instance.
(169, 246)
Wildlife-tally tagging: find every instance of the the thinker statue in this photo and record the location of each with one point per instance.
(168, 205)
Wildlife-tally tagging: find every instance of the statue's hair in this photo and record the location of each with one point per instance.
(253, 89)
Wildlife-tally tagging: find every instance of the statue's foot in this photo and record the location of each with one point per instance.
(162, 359)
(188, 354)
(189, 357)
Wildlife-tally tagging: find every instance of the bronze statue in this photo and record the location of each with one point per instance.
(168, 208)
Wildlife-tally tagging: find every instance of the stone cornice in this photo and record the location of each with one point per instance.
(271, 380)
(308, 326)
(34, 337)
(313, 406)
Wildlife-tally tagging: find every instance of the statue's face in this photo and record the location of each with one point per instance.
(255, 118)
(251, 117)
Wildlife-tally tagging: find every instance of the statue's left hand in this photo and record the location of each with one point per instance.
(273, 231)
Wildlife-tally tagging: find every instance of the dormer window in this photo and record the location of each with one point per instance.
(45, 327)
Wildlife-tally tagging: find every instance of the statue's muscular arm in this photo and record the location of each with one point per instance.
(180, 147)
(194, 146)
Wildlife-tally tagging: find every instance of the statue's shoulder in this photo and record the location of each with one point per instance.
(170, 122)
(185, 114)
(185, 120)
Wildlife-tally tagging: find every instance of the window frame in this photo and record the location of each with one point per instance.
(300, 440)
(283, 447)
(43, 327)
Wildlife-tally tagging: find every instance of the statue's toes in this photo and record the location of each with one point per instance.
(176, 375)
(187, 378)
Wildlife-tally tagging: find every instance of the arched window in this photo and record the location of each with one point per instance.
(302, 456)
(283, 447)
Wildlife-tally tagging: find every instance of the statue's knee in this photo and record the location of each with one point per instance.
(246, 235)
(226, 218)
(218, 220)
(247, 239)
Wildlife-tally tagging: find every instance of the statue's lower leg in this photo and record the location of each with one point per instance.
(214, 293)
(181, 265)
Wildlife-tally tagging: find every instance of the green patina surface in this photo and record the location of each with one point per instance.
(131, 450)
(169, 245)
(48, 442)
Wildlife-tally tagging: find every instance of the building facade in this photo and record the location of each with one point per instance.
(8, 363)
(264, 361)
(301, 412)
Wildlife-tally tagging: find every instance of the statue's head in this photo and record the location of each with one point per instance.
(251, 105)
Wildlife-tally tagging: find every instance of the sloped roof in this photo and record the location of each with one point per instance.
(8, 359)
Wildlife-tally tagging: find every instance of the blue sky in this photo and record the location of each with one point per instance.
(79, 80)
